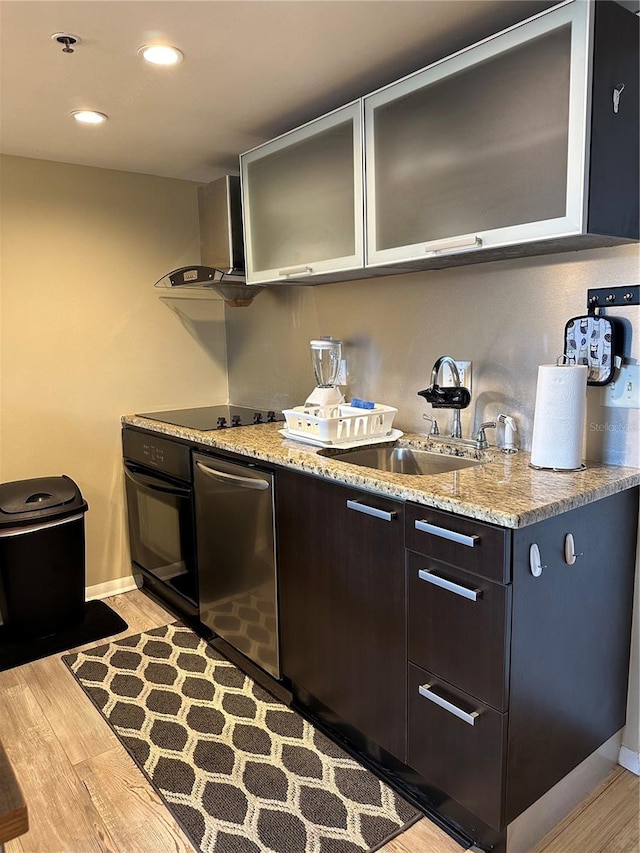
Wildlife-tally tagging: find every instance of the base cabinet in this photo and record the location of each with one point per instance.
(427, 635)
(512, 684)
(342, 603)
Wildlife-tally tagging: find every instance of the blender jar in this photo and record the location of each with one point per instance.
(326, 354)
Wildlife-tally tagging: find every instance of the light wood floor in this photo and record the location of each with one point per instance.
(85, 795)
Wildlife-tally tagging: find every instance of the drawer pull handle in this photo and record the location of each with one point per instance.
(470, 241)
(425, 690)
(295, 271)
(451, 535)
(443, 583)
(371, 510)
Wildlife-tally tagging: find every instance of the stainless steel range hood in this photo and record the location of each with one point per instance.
(221, 247)
(220, 216)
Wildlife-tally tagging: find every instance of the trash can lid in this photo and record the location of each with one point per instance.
(39, 497)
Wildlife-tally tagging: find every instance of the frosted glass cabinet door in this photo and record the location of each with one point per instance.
(302, 199)
(485, 148)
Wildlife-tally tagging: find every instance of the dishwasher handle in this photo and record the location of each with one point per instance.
(223, 477)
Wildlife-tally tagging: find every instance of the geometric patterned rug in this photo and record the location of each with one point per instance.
(240, 771)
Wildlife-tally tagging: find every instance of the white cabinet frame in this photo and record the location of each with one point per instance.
(307, 271)
(578, 13)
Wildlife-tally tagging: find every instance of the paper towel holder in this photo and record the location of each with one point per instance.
(561, 361)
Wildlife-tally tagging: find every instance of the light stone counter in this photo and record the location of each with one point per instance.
(503, 490)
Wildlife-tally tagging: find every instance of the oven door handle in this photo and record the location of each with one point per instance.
(157, 485)
(223, 477)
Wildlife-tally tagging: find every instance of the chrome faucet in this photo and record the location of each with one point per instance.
(435, 429)
(481, 436)
(437, 367)
(454, 397)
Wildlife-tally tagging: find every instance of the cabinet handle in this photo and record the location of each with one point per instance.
(443, 583)
(371, 510)
(468, 242)
(296, 271)
(451, 535)
(425, 690)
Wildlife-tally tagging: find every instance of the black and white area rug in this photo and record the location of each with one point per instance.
(239, 771)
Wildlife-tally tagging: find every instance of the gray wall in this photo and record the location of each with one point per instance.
(507, 317)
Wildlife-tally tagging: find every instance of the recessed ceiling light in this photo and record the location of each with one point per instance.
(88, 116)
(160, 54)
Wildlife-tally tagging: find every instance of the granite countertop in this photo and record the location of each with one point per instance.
(502, 490)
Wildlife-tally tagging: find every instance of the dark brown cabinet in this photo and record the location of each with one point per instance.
(342, 603)
(516, 677)
(429, 635)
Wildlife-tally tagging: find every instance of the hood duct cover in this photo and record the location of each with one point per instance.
(221, 246)
(220, 216)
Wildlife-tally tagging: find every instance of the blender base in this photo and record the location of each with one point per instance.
(325, 396)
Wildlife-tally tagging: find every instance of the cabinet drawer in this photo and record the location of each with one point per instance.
(457, 744)
(459, 627)
(470, 545)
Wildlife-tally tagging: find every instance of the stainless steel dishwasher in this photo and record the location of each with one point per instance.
(236, 556)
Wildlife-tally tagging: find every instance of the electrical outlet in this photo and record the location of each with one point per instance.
(464, 371)
(342, 373)
(624, 391)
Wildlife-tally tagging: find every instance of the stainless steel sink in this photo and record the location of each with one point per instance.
(402, 460)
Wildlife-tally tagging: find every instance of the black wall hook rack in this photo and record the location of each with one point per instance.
(608, 297)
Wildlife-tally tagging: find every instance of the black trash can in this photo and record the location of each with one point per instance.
(42, 556)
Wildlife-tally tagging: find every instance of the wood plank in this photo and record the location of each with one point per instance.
(139, 611)
(128, 805)
(62, 816)
(14, 820)
(577, 811)
(422, 837)
(609, 822)
(59, 695)
(12, 677)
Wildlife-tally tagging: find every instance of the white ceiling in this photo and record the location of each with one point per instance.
(252, 69)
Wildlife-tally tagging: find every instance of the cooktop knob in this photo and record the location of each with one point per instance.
(271, 416)
(222, 422)
(257, 417)
(235, 420)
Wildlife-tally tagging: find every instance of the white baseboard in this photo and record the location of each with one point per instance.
(629, 759)
(115, 587)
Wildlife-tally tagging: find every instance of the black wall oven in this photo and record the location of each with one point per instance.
(161, 518)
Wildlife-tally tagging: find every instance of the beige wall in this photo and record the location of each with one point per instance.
(84, 337)
(507, 317)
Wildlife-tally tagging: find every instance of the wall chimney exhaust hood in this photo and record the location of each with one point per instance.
(221, 247)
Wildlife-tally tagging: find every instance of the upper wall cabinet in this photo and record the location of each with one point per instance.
(303, 201)
(522, 144)
(525, 143)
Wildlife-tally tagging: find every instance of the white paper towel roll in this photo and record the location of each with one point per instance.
(558, 423)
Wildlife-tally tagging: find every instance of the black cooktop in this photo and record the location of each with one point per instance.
(215, 417)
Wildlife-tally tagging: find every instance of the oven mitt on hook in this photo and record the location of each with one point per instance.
(596, 341)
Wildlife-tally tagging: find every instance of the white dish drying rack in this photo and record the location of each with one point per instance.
(339, 424)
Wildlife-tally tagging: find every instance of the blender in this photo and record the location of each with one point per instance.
(326, 358)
